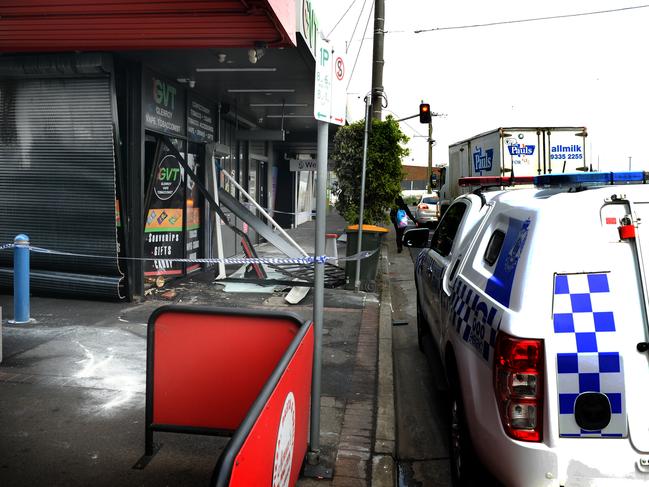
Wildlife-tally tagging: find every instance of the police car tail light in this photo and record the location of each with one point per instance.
(518, 379)
(626, 229)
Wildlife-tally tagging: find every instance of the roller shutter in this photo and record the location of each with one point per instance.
(57, 181)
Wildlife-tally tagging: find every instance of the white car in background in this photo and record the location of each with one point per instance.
(427, 210)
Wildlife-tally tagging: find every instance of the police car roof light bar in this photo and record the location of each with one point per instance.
(486, 181)
(592, 178)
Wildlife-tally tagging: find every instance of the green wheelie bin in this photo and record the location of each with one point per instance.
(371, 240)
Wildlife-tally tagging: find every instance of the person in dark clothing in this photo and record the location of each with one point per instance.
(399, 204)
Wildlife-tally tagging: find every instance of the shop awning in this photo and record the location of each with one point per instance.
(112, 25)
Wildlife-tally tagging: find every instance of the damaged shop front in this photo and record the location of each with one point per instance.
(110, 138)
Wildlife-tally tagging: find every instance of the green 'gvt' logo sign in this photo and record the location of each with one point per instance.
(169, 173)
(164, 93)
(169, 177)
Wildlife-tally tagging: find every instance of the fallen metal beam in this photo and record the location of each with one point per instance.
(257, 224)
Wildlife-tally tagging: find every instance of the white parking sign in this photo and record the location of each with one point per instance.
(330, 94)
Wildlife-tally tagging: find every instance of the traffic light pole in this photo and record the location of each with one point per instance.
(425, 116)
(430, 156)
(408, 118)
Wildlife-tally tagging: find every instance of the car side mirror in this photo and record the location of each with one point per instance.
(416, 238)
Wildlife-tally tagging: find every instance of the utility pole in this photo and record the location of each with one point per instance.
(377, 59)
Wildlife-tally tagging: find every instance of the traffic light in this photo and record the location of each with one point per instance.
(424, 113)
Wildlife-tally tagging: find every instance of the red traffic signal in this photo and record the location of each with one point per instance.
(424, 113)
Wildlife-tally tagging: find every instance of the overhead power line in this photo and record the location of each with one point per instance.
(535, 19)
(361, 46)
(351, 38)
(340, 19)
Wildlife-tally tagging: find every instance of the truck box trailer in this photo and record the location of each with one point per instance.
(514, 151)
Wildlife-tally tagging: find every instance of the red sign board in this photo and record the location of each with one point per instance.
(233, 372)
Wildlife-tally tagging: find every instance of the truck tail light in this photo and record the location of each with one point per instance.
(518, 384)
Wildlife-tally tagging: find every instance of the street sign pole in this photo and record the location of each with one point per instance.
(318, 298)
(328, 107)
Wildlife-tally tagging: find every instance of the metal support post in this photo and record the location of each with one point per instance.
(357, 278)
(21, 279)
(313, 456)
(220, 274)
(430, 155)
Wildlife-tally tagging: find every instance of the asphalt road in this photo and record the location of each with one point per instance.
(421, 398)
(421, 407)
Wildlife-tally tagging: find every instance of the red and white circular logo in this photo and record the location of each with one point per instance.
(285, 444)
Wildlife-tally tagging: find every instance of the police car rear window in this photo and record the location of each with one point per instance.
(494, 246)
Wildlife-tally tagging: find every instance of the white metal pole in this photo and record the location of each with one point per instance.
(217, 219)
(265, 214)
(357, 278)
(318, 300)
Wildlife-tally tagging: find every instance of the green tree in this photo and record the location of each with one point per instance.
(383, 174)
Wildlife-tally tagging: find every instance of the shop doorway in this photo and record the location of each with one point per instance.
(173, 216)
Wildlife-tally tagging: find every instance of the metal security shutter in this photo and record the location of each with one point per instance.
(57, 181)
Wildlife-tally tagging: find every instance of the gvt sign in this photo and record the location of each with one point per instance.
(164, 105)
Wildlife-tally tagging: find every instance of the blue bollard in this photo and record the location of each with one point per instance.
(21, 279)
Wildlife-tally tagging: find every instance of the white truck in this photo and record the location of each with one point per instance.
(513, 151)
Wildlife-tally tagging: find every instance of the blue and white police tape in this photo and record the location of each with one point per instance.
(307, 260)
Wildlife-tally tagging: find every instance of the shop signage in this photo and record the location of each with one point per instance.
(200, 120)
(163, 238)
(303, 164)
(169, 178)
(306, 165)
(164, 105)
(309, 25)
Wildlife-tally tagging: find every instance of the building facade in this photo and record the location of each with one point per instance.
(119, 121)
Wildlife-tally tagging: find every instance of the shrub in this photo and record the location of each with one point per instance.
(383, 173)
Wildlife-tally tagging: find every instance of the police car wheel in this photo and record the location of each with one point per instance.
(463, 460)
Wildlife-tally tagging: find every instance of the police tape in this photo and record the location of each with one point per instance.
(306, 260)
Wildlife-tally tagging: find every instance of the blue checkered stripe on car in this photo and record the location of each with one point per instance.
(474, 319)
(588, 358)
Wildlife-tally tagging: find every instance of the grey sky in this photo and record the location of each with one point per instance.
(590, 70)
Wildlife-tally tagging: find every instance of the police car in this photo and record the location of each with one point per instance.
(537, 301)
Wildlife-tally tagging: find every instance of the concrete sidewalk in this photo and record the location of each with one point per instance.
(72, 388)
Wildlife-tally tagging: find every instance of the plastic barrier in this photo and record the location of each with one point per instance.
(232, 372)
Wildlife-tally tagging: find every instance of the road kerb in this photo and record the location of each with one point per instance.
(384, 443)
